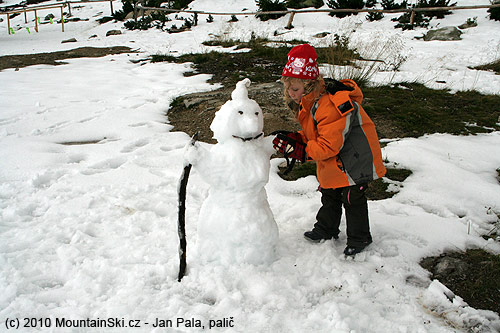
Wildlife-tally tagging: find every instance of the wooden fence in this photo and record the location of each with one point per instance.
(35, 9)
(293, 12)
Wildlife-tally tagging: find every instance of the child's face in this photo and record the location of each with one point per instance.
(295, 90)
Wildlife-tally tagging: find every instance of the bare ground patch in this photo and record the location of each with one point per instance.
(54, 58)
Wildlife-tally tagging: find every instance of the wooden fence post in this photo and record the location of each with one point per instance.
(412, 17)
(36, 21)
(8, 22)
(290, 20)
(62, 19)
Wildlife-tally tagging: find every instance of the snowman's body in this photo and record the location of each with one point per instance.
(236, 224)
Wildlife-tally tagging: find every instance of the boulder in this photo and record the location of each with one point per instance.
(444, 34)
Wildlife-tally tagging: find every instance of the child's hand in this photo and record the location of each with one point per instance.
(290, 145)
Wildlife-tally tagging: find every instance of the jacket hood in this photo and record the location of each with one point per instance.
(355, 92)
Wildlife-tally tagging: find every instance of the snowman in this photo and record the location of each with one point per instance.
(236, 224)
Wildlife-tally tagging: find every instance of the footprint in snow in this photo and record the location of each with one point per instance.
(133, 146)
(106, 165)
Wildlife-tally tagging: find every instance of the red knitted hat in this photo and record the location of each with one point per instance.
(302, 63)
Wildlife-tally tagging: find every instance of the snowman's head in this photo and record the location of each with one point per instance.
(239, 117)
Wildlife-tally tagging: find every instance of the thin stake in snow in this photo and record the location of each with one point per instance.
(181, 227)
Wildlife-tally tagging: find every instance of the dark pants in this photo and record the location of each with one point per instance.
(353, 199)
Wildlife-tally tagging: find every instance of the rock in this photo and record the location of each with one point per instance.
(443, 34)
(49, 16)
(113, 32)
(449, 265)
(71, 40)
(147, 12)
(468, 24)
(321, 35)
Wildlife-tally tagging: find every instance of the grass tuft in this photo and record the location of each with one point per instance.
(411, 109)
(492, 66)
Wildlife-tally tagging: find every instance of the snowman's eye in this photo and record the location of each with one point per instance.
(240, 112)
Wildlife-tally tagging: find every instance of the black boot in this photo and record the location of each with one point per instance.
(316, 237)
(353, 250)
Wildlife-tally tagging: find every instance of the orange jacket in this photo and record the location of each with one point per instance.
(341, 138)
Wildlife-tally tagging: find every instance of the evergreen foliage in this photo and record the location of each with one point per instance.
(298, 4)
(391, 4)
(345, 4)
(435, 3)
(419, 20)
(178, 4)
(495, 12)
(374, 16)
(269, 6)
(127, 7)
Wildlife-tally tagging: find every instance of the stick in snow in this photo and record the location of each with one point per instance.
(181, 227)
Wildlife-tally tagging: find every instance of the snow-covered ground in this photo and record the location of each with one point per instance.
(90, 230)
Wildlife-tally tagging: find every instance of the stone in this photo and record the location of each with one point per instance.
(71, 40)
(49, 16)
(443, 34)
(467, 25)
(449, 265)
(321, 35)
(113, 32)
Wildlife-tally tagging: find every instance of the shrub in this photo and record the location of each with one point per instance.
(127, 7)
(363, 59)
(391, 4)
(495, 12)
(142, 24)
(180, 4)
(435, 3)
(347, 4)
(419, 20)
(269, 6)
(374, 16)
(298, 4)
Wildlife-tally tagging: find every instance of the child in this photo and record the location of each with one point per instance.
(340, 137)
